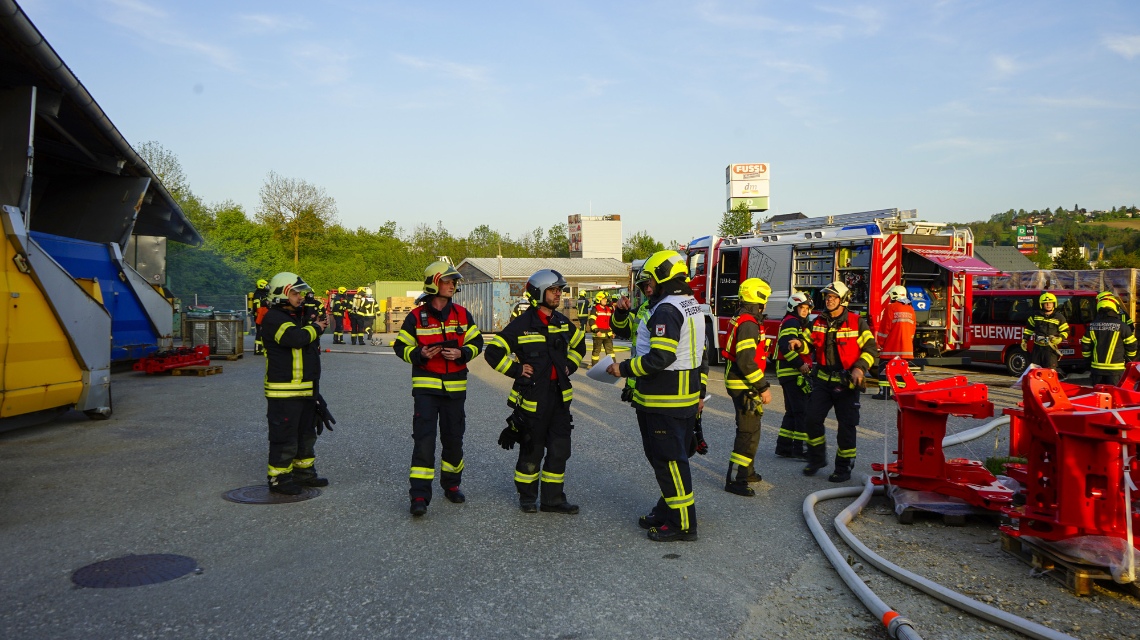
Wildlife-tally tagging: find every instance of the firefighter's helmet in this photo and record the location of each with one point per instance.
(898, 293)
(755, 291)
(538, 283)
(641, 277)
(262, 283)
(837, 289)
(1046, 297)
(664, 266)
(367, 292)
(342, 290)
(284, 283)
(437, 272)
(796, 299)
(1107, 302)
(600, 296)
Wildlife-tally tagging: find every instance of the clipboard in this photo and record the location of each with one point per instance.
(448, 344)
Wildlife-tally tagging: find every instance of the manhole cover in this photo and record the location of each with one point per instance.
(260, 494)
(134, 571)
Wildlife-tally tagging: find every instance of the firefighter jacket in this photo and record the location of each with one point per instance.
(746, 350)
(365, 306)
(553, 347)
(258, 302)
(1050, 329)
(339, 304)
(789, 360)
(670, 362)
(425, 326)
(842, 343)
(1108, 342)
(895, 331)
(625, 324)
(293, 354)
(600, 315)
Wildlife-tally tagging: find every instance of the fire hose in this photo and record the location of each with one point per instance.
(897, 626)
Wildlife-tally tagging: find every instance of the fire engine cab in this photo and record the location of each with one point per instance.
(869, 251)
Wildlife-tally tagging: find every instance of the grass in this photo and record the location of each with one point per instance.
(1128, 223)
(995, 464)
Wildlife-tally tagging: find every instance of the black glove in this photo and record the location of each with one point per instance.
(627, 394)
(516, 432)
(698, 444)
(324, 418)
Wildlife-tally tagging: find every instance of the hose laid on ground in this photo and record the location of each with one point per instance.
(897, 626)
(974, 433)
(983, 611)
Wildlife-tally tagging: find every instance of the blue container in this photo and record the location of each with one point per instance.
(489, 303)
(132, 334)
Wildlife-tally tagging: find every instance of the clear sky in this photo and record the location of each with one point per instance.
(517, 114)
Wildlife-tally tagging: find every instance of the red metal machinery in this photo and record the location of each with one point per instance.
(921, 464)
(1078, 450)
(174, 359)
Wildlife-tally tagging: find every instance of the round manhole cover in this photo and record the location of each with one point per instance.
(134, 571)
(260, 494)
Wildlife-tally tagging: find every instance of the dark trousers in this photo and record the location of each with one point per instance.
(357, 324)
(740, 461)
(1043, 357)
(1105, 377)
(448, 413)
(292, 433)
(258, 344)
(550, 428)
(665, 440)
(338, 325)
(793, 434)
(824, 396)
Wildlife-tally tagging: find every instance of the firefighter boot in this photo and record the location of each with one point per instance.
(419, 507)
(284, 484)
(736, 481)
(454, 495)
(666, 533)
(816, 459)
(842, 469)
(308, 477)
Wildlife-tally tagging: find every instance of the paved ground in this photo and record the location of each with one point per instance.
(353, 563)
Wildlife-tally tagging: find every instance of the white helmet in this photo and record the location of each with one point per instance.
(282, 284)
(898, 293)
(839, 290)
(796, 299)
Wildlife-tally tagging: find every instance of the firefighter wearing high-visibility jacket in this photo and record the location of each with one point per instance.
(1045, 331)
(746, 353)
(844, 352)
(258, 303)
(1108, 343)
(793, 364)
(540, 349)
(601, 314)
(438, 338)
(363, 313)
(671, 368)
(339, 304)
(292, 376)
(894, 334)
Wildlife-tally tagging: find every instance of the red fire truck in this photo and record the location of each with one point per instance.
(869, 251)
(998, 317)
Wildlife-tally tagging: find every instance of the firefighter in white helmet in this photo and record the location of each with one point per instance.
(793, 364)
(894, 333)
(844, 351)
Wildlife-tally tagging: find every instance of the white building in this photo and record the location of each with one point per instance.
(595, 236)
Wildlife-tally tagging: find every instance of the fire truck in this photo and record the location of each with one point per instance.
(869, 251)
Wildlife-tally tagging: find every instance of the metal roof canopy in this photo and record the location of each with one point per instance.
(954, 261)
(86, 180)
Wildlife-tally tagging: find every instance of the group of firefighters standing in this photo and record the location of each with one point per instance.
(352, 312)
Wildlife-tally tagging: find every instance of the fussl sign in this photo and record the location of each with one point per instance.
(754, 171)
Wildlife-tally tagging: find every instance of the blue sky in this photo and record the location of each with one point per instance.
(517, 114)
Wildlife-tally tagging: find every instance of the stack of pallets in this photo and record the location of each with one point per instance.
(398, 308)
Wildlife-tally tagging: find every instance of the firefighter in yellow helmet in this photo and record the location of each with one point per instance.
(1108, 343)
(601, 316)
(671, 368)
(438, 338)
(258, 302)
(341, 303)
(1045, 331)
(745, 349)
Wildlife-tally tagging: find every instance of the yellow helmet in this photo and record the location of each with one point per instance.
(664, 266)
(342, 290)
(1107, 300)
(262, 283)
(1046, 297)
(437, 272)
(755, 291)
(600, 297)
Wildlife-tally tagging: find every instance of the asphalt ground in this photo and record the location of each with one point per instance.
(353, 563)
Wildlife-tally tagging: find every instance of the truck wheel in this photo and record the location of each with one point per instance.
(1016, 361)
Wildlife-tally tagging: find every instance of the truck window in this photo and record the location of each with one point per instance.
(1021, 307)
(728, 282)
(697, 264)
(981, 311)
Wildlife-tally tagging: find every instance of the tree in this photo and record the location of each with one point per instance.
(1070, 255)
(166, 166)
(639, 246)
(295, 209)
(736, 222)
(1041, 257)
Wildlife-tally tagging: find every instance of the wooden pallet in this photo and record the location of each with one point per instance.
(199, 370)
(1074, 574)
(228, 356)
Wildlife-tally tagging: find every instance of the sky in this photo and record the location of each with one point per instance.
(518, 114)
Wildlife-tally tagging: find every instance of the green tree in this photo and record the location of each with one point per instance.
(295, 209)
(736, 222)
(639, 246)
(1070, 255)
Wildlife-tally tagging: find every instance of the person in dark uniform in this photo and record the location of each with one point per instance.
(1045, 331)
(793, 366)
(1108, 344)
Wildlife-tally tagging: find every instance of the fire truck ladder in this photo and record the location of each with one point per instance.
(885, 218)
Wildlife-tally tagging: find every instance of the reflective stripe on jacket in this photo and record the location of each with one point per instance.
(425, 326)
(850, 337)
(292, 354)
(895, 331)
(788, 360)
(746, 350)
(554, 349)
(670, 362)
(1108, 343)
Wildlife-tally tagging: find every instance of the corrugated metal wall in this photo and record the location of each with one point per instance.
(489, 303)
(395, 288)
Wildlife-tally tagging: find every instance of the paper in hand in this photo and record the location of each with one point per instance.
(598, 371)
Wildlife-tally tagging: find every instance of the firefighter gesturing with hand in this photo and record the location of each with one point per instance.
(438, 338)
(844, 350)
(1045, 331)
(1108, 343)
(793, 364)
(746, 353)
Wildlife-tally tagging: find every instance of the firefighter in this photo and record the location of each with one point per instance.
(793, 366)
(746, 353)
(339, 305)
(367, 311)
(1108, 343)
(519, 308)
(259, 304)
(1046, 330)
(292, 379)
(540, 349)
(844, 352)
(671, 368)
(895, 335)
(600, 316)
(438, 338)
(1124, 317)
